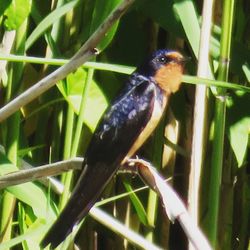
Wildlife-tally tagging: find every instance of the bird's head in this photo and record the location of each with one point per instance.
(166, 67)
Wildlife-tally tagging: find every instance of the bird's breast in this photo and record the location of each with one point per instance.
(158, 110)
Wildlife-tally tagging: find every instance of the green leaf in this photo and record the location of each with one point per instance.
(96, 102)
(22, 224)
(246, 70)
(189, 19)
(29, 193)
(16, 13)
(95, 12)
(48, 21)
(136, 202)
(238, 135)
(25, 151)
(163, 13)
(239, 125)
(4, 5)
(33, 232)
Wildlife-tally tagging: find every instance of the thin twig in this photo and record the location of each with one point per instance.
(85, 52)
(36, 173)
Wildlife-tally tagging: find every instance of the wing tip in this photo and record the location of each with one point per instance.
(55, 236)
(50, 240)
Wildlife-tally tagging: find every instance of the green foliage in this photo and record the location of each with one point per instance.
(16, 12)
(157, 11)
(239, 125)
(136, 202)
(4, 5)
(96, 101)
(60, 123)
(187, 13)
(94, 13)
(48, 21)
(29, 193)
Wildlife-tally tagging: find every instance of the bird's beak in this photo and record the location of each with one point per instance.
(184, 59)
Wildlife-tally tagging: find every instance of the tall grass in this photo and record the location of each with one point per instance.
(58, 125)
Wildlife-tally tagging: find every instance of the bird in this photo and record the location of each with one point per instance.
(122, 130)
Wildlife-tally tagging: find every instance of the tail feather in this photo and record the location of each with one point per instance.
(57, 233)
(86, 193)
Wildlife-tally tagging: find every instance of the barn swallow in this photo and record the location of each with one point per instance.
(122, 130)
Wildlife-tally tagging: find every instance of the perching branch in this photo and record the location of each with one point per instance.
(85, 52)
(40, 172)
(174, 207)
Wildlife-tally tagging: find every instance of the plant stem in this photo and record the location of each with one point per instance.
(13, 128)
(66, 178)
(152, 206)
(81, 113)
(68, 152)
(219, 123)
(200, 115)
(8, 201)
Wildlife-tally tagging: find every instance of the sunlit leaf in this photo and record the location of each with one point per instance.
(34, 231)
(4, 5)
(136, 202)
(95, 12)
(29, 193)
(238, 134)
(16, 13)
(96, 102)
(239, 125)
(48, 21)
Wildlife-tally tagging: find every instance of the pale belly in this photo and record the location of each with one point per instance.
(148, 130)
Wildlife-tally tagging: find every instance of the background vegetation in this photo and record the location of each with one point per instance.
(59, 124)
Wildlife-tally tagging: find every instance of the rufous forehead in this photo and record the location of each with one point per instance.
(174, 55)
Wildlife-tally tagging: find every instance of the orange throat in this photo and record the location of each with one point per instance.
(169, 77)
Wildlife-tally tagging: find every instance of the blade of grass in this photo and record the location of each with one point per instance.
(48, 21)
(215, 83)
(66, 178)
(188, 17)
(28, 193)
(13, 127)
(70, 148)
(152, 204)
(124, 70)
(34, 231)
(135, 200)
(81, 113)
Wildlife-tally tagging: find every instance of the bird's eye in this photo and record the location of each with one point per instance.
(163, 59)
